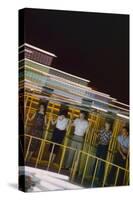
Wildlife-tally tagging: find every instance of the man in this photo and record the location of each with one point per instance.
(120, 157)
(80, 126)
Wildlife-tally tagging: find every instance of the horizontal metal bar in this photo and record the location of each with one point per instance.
(81, 151)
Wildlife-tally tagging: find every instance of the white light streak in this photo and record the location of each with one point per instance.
(98, 108)
(38, 49)
(123, 116)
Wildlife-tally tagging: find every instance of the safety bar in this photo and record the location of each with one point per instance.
(75, 163)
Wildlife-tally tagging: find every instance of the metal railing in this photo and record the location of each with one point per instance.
(76, 161)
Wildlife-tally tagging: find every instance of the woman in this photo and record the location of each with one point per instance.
(38, 119)
(59, 132)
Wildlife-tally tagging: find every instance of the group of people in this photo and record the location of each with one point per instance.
(39, 120)
(81, 124)
(121, 155)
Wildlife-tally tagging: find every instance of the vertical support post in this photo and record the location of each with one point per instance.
(94, 173)
(84, 170)
(75, 165)
(51, 154)
(62, 158)
(28, 147)
(117, 173)
(37, 160)
(105, 174)
(27, 117)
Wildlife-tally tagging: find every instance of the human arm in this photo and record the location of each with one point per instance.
(125, 150)
(53, 121)
(74, 122)
(98, 134)
(119, 148)
(45, 119)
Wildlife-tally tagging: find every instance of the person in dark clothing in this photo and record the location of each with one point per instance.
(103, 138)
(38, 119)
(120, 158)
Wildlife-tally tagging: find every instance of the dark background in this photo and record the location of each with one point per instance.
(90, 45)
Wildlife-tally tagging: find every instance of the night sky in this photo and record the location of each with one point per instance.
(90, 45)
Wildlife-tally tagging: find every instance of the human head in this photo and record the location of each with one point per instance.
(41, 107)
(83, 115)
(108, 126)
(125, 131)
(63, 113)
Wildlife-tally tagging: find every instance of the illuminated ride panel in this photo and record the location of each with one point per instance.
(65, 87)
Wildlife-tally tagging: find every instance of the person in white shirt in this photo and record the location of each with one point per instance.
(81, 125)
(59, 132)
